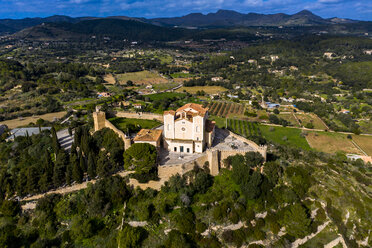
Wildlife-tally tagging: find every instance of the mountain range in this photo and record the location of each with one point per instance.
(222, 24)
(222, 18)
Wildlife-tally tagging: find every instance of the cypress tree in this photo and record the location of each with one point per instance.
(91, 166)
(55, 143)
(59, 170)
(77, 172)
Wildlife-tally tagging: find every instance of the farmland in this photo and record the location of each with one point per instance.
(331, 142)
(280, 135)
(206, 89)
(311, 118)
(32, 119)
(141, 77)
(365, 142)
(224, 109)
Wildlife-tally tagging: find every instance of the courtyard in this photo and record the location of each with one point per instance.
(223, 141)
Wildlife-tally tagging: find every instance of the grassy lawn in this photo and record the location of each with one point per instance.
(220, 121)
(365, 142)
(331, 142)
(206, 89)
(141, 77)
(122, 123)
(285, 136)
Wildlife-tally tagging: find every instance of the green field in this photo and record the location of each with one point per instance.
(285, 136)
(280, 135)
(181, 75)
(122, 123)
(165, 95)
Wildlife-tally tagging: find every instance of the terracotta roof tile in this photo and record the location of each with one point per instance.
(148, 135)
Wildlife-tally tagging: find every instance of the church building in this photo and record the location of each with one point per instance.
(188, 130)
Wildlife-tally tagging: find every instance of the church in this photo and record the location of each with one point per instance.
(188, 130)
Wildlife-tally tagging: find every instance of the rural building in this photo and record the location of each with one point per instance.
(103, 94)
(216, 79)
(188, 130)
(24, 131)
(137, 106)
(151, 136)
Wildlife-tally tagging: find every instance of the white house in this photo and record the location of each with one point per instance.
(188, 130)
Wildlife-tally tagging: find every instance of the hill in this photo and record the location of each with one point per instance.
(228, 18)
(113, 28)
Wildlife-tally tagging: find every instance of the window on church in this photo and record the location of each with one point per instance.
(175, 149)
(197, 129)
(168, 127)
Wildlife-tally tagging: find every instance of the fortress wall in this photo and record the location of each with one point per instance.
(140, 115)
(261, 149)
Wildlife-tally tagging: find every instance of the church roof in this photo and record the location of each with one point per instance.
(148, 135)
(197, 107)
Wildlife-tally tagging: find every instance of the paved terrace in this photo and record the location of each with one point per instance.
(223, 141)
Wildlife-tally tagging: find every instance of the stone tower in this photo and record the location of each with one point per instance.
(99, 120)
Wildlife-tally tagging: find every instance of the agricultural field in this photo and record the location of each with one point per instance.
(310, 118)
(290, 118)
(110, 79)
(365, 142)
(330, 142)
(181, 75)
(165, 86)
(165, 95)
(224, 109)
(206, 89)
(141, 77)
(281, 135)
(365, 126)
(19, 122)
(123, 123)
(285, 136)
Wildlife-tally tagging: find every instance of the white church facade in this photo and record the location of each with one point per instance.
(188, 130)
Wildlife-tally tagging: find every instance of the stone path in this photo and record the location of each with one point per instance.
(299, 242)
(335, 242)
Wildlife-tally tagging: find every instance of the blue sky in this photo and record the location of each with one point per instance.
(355, 9)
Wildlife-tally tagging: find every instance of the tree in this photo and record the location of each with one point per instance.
(141, 157)
(131, 237)
(296, 221)
(91, 166)
(59, 171)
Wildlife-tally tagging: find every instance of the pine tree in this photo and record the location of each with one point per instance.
(91, 166)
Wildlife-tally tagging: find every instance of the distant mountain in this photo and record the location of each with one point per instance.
(222, 18)
(117, 29)
(228, 18)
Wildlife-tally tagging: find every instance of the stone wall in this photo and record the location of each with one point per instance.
(139, 115)
(261, 149)
(100, 122)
